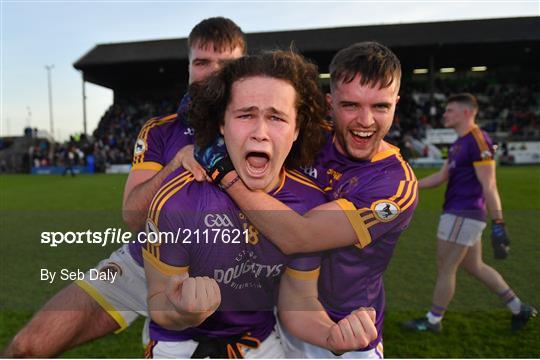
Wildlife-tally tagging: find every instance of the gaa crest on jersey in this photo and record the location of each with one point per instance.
(385, 210)
(217, 220)
(310, 171)
(140, 147)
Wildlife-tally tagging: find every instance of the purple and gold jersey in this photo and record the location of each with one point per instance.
(464, 195)
(161, 138)
(379, 197)
(158, 142)
(216, 240)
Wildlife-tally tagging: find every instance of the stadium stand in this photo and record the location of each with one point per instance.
(508, 91)
(119, 126)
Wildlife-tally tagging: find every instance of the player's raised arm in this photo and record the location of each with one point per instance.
(152, 163)
(178, 302)
(365, 213)
(304, 317)
(322, 228)
(175, 300)
(435, 179)
(141, 186)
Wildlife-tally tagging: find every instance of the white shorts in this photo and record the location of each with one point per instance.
(270, 348)
(297, 349)
(125, 298)
(460, 230)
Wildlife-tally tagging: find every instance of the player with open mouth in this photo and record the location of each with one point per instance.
(216, 298)
(371, 196)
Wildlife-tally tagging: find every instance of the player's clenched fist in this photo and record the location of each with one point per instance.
(195, 298)
(353, 332)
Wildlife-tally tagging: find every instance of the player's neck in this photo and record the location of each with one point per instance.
(275, 183)
(465, 127)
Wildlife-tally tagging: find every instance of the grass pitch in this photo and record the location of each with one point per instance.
(476, 325)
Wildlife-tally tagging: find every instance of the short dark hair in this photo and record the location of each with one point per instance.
(375, 63)
(465, 99)
(221, 32)
(211, 97)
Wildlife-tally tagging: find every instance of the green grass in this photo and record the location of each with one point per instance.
(476, 324)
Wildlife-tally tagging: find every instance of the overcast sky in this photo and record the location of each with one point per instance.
(39, 33)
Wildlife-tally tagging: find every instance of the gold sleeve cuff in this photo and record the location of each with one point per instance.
(163, 268)
(303, 275)
(362, 233)
(148, 165)
(484, 162)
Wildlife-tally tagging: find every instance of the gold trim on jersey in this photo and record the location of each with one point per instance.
(283, 177)
(412, 186)
(484, 162)
(480, 140)
(364, 218)
(164, 189)
(143, 134)
(166, 197)
(381, 155)
(401, 186)
(105, 305)
(147, 165)
(296, 176)
(163, 268)
(303, 275)
(357, 222)
(412, 198)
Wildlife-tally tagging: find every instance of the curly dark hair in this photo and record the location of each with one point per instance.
(211, 97)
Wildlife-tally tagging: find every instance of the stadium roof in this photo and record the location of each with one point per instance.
(492, 42)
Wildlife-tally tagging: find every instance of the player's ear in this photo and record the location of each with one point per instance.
(329, 101)
(221, 131)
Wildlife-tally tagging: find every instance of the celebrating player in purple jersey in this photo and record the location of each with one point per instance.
(156, 154)
(372, 193)
(86, 310)
(470, 172)
(270, 111)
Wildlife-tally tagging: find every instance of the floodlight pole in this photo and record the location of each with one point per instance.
(29, 118)
(51, 120)
(84, 102)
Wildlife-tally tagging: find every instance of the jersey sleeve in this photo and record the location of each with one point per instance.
(304, 266)
(481, 152)
(384, 205)
(149, 147)
(164, 248)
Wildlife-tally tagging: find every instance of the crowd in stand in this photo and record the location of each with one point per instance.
(116, 133)
(511, 110)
